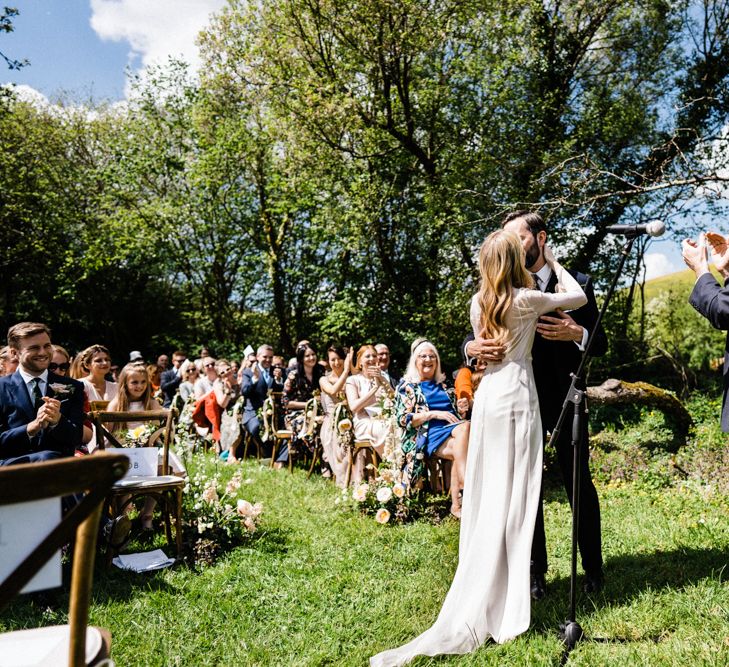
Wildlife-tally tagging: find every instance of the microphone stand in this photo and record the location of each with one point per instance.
(576, 401)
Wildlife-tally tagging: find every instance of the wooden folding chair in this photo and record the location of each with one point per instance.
(357, 445)
(271, 419)
(166, 489)
(94, 475)
(312, 425)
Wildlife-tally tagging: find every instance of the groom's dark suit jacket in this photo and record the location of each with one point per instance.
(712, 301)
(17, 411)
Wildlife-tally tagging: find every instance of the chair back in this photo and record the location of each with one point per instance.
(94, 475)
(267, 415)
(312, 417)
(105, 434)
(98, 405)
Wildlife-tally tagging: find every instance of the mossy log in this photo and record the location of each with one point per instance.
(617, 392)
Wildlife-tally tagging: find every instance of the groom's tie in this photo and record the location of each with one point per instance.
(536, 281)
(37, 395)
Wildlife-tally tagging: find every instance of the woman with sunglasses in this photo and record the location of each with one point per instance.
(190, 374)
(60, 362)
(204, 384)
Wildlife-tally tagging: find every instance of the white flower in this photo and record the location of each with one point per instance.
(344, 425)
(61, 388)
(360, 493)
(420, 456)
(384, 494)
(382, 516)
(398, 490)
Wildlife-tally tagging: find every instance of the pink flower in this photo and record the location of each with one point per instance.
(210, 494)
(382, 516)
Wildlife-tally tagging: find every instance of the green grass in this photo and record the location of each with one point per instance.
(320, 586)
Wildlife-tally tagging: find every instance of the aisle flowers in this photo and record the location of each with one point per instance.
(217, 517)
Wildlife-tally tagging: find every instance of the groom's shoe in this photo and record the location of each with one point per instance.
(538, 586)
(593, 582)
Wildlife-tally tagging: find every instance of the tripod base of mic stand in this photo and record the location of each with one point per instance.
(570, 632)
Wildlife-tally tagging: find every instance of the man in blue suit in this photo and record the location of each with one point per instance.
(41, 413)
(709, 297)
(255, 385)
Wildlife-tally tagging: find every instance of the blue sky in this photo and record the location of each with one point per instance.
(81, 49)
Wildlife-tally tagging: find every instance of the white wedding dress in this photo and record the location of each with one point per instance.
(490, 596)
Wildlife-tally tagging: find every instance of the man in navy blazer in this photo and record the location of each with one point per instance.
(556, 353)
(709, 297)
(41, 413)
(255, 385)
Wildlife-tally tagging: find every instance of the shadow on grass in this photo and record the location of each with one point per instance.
(629, 575)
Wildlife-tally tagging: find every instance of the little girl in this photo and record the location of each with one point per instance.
(135, 395)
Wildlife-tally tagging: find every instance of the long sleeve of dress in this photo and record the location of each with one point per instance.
(570, 298)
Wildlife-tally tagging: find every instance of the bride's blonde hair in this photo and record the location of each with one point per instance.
(501, 262)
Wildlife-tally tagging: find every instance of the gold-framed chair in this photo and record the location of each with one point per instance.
(165, 488)
(94, 476)
(356, 445)
(271, 425)
(312, 424)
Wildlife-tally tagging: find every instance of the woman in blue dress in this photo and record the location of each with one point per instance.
(431, 426)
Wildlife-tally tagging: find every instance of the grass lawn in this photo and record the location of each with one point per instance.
(320, 586)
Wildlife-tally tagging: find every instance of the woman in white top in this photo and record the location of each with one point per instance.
(96, 362)
(364, 389)
(204, 384)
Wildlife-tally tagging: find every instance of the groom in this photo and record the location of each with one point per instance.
(556, 353)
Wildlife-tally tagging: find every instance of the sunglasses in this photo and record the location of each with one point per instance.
(53, 367)
(209, 365)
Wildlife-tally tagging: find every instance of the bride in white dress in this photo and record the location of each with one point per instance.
(489, 596)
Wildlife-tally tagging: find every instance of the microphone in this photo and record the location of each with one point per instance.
(652, 228)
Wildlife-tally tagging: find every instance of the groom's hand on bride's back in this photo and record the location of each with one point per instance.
(486, 349)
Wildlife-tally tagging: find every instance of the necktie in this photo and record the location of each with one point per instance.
(536, 282)
(37, 395)
(266, 375)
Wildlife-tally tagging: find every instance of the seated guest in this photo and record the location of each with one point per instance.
(255, 385)
(204, 384)
(135, 395)
(60, 362)
(60, 365)
(383, 361)
(8, 361)
(154, 375)
(298, 389)
(171, 378)
(40, 412)
(189, 374)
(364, 388)
(227, 392)
(332, 392)
(429, 419)
(163, 361)
(95, 361)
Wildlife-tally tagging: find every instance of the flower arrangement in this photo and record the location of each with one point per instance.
(383, 497)
(62, 390)
(216, 515)
(342, 420)
(139, 436)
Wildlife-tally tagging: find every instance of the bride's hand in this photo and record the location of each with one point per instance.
(548, 255)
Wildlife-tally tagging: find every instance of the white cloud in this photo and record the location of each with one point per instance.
(155, 29)
(30, 95)
(657, 264)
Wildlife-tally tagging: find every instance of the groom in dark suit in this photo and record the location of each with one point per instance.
(709, 297)
(556, 353)
(41, 413)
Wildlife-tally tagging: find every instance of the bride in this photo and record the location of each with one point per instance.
(489, 596)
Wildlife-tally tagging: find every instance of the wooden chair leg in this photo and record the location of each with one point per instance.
(247, 442)
(291, 460)
(274, 451)
(350, 465)
(178, 522)
(314, 457)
